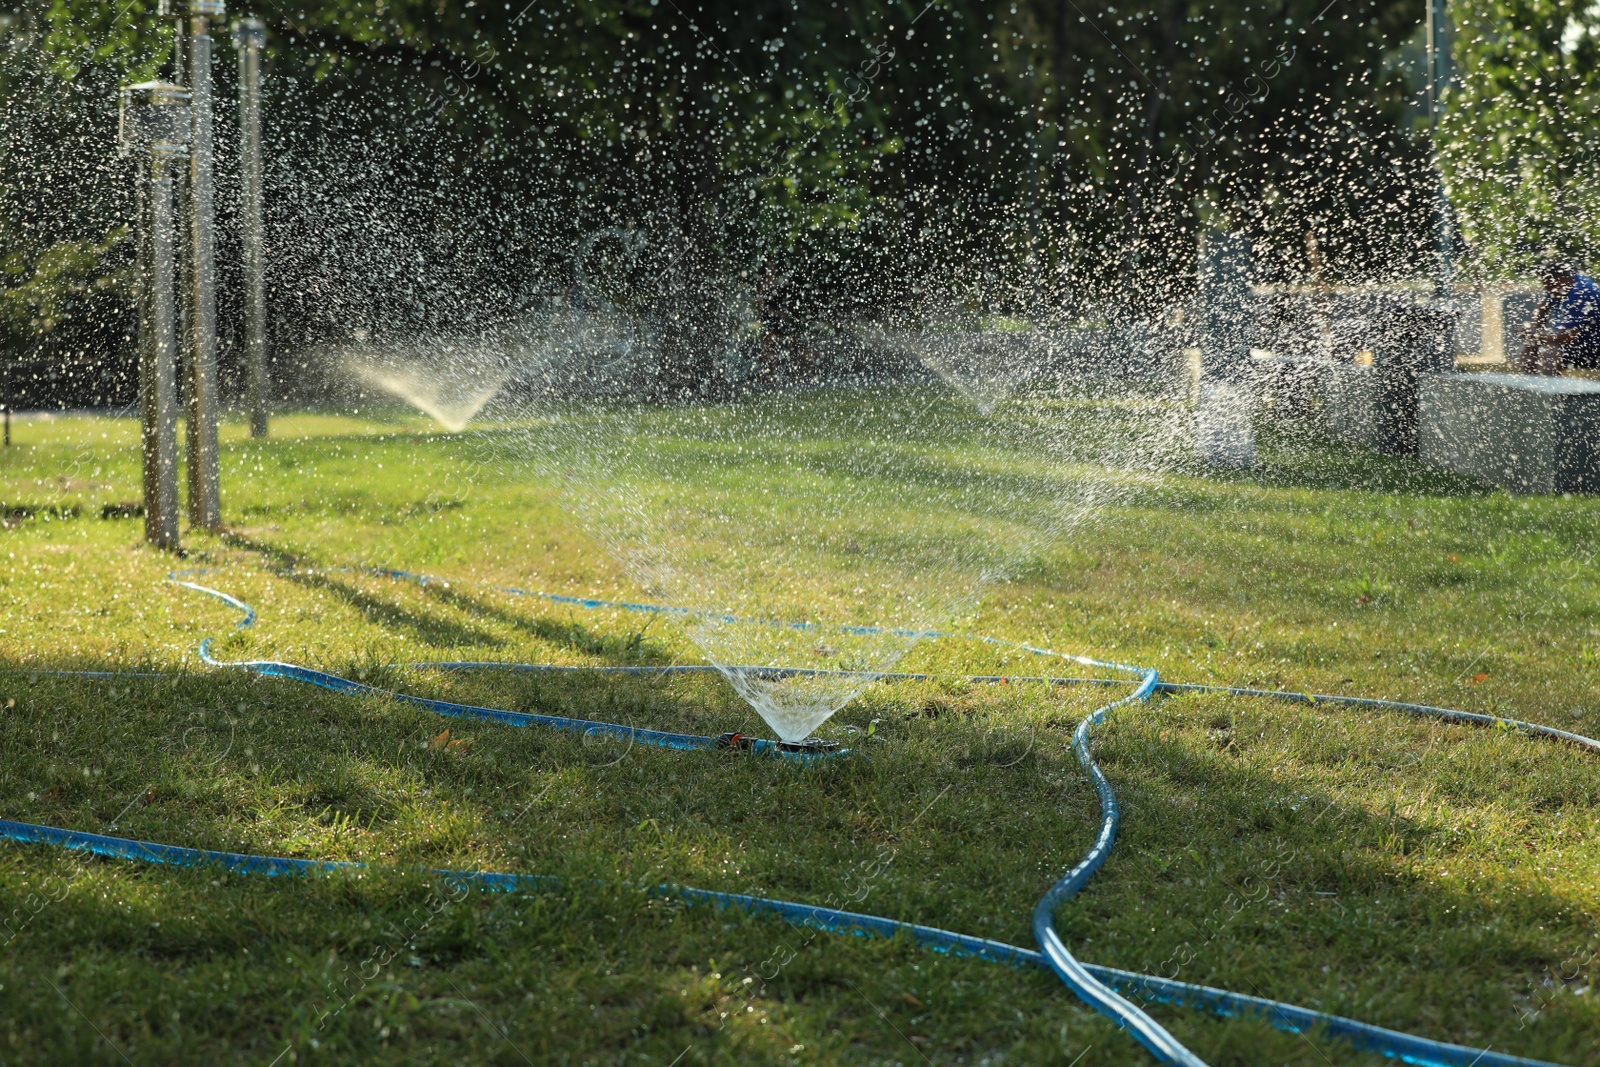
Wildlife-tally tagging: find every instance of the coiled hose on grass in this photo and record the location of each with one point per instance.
(1100, 987)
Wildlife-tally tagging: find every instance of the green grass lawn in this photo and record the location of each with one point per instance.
(1435, 879)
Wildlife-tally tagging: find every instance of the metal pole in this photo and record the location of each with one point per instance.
(249, 37)
(1224, 282)
(161, 366)
(1224, 433)
(155, 131)
(1438, 32)
(205, 508)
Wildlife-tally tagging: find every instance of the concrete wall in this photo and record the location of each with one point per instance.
(1529, 434)
(1371, 407)
(1376, 406)
(1350, 405)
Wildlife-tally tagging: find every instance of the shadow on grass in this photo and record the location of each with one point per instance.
(629, 650)
(1229, 872)
(1296, 456)
(1267, 880)
(623, 650)
(430, 630)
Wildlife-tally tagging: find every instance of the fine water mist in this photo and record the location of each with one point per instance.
(824, 328)
(813, 536)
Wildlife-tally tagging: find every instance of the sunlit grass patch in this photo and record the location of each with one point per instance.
(1431, 878)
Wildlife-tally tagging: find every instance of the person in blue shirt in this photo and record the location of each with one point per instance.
(1565, 331)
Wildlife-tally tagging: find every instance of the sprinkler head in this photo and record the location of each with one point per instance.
(810, 746)
(249, 33)
(153, 117)
(202, 9)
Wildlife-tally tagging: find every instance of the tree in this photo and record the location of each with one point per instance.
(1519, 141)
(65, 294)
(432, 166)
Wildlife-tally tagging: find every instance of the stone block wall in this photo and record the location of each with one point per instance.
(1530, 434)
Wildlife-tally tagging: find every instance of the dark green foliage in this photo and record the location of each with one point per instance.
(1520, 141)
(1022, 156)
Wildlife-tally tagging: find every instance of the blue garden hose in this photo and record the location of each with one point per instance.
(1097, 986)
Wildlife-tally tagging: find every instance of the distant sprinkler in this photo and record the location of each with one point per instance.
(249, 38)
(193, 55)
(154, 126)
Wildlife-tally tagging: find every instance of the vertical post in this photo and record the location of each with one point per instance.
(1225, 305)
(249, 37)
(159, 373)
(1224, 431)
(1319, 298)
(154, 131)
(1438, 31)
(194, 52)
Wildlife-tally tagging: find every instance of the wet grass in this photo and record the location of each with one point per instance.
(1434, 879)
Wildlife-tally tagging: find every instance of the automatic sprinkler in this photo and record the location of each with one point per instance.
(200, 341)
(249, 38)
(153, 129)
(811, 746)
